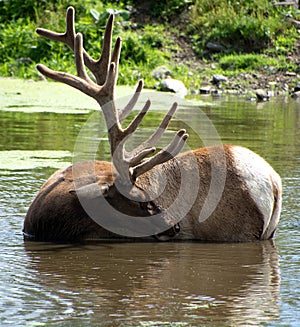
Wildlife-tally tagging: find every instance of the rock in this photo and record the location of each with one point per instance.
(262, 95)
(272, 85)
(297, 87)
(216, 92)
(194, 92)
(173, 85)
(161, 72)
(285, 87)
(291, 74)
(215, 47)
(218, 78)
(248, 76)
(296, 95)
(205, 89)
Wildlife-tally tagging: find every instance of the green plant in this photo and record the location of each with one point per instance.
(245, 62)
(13, 10)
(243, 26)
(255, 35)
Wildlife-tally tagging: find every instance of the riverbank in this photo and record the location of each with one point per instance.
(201, 47)
(221, 67)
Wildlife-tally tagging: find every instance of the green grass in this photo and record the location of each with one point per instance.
(240, 26)
(255, 35)
(252, 62)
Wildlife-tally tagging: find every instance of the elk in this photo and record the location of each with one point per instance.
(222, 193)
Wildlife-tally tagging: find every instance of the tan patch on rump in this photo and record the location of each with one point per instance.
(236, 217)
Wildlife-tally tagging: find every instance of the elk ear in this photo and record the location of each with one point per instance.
(91, 191)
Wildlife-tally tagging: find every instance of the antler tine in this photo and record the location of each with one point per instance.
(69, 79)
(68, 37)
(155, 137)
(79, 61)
(135, 157)
(123, 113)
(99, 67)
(112, 74)
(130, 165)
(102, 64)
(118, 138)
(137, 120)
(148, 146)
(162, 156)
(82, 82)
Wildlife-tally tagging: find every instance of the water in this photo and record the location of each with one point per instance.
(142, 284)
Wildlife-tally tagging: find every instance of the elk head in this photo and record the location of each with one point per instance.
(120, 190)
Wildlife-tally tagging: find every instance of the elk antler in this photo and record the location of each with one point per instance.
(129, 165)
(98, 67)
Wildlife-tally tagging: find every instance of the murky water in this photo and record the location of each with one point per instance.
(142, 284)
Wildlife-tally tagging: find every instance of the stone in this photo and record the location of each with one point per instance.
(262, 95)
(297, 87)
(215, 47)
(205, 89)
(194, 92)
(218, 78)
(173, 85)
(161, 72)
(285, 87)
(296, 95)
(291, 74)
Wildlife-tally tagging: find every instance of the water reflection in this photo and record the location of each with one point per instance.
(215, 284)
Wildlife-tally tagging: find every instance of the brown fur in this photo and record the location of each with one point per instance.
(57, 215)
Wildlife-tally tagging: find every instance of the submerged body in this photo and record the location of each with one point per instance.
(247, 209)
